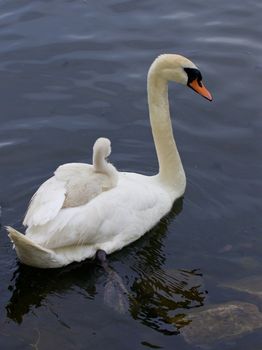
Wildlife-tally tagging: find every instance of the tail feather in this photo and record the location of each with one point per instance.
(31, 253)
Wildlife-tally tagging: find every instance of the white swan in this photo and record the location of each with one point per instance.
(58, 234)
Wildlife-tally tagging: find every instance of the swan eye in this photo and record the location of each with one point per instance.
(195, 82)
(193, 74)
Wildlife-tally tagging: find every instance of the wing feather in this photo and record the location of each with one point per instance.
(45, 203)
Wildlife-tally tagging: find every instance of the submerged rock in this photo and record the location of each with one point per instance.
(222, 322)
(251, 285)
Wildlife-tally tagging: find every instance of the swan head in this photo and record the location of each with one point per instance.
(181, 70)
(102, 146)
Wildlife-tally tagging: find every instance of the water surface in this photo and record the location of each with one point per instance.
(72, 71)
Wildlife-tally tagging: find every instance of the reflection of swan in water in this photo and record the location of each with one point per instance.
(151, 295)
(31, 287)
(157, 297)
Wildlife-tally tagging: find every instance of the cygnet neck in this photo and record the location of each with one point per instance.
(102, 166)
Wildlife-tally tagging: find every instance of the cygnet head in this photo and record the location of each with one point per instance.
(102, 146)
(181, 70)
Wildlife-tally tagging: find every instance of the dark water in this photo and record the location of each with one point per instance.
(72, 71)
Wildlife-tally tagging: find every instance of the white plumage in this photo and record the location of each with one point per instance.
(72, 185)
(83, 208)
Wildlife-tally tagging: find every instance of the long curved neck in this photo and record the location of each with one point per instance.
(99, 162)
(171, 172)
(103, 167)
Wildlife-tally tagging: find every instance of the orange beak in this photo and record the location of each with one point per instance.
(200, 89)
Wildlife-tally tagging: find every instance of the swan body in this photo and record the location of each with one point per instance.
(84, 208)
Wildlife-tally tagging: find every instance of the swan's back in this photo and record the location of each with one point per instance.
(73, 185)
(84, 182)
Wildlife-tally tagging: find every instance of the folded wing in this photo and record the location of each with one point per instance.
(45, 203)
